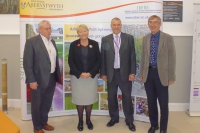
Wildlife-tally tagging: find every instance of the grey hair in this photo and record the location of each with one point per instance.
(154, 16)
(43, 22)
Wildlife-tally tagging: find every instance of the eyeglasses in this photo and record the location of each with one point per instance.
(153, 22)
(47, 29)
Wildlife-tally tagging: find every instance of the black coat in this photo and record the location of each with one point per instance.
(93, 58)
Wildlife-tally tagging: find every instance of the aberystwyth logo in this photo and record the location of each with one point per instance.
(23, 5)
(41, 5)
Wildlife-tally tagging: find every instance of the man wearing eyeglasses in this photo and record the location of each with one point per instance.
(42, 71)
(157, 71)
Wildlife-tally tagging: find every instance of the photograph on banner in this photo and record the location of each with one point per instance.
(67, 85)
(103, 101)
(119, 98)
(9, 7)
(66, 54)
(133, 103)
(68, 102)
(141, 106)
(58, 98)
(101, 85)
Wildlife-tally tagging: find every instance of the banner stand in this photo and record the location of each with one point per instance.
(194, 107)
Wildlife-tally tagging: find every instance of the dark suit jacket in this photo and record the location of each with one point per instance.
(36, 62)
(75, 58)
(127, 56)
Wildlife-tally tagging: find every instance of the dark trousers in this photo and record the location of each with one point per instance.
(126, 87)
(155, 90)
(41, 101)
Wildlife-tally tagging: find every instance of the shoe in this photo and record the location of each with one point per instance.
(112, 123)
(48, 127)
(131, 126)
(152, 129)
(163, 131)
(89, 124)
(80, 126)
(38, 131)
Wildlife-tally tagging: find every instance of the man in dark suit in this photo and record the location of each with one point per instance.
(42, 71)
(118, 68)
(157, 71)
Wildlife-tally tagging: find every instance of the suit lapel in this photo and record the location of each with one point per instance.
(148, 44)
(161, 42)
(42, 45)
(90, 47)
(111, 43)
(123, 38)
(78, 49)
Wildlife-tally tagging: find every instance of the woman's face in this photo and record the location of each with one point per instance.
(83, 34)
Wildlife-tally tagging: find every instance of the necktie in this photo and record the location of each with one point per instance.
(117, 40)
(116, 43)
(152, 50)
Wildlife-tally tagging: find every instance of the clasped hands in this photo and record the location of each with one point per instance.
(85, 75)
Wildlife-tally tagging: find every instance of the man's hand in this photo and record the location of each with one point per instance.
(34, 85)
(141, 78)
(104, 77)
(131, 77)
(171, 82)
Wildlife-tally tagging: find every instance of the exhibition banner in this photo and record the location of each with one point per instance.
(65, 16)
(194, 108)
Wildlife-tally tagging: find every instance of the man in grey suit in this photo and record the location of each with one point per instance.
(157, 71)
(42, 71)
(118, 68)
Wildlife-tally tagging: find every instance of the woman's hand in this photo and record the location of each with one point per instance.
(85, 75)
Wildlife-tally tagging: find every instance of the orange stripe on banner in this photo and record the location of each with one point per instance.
(84, 13)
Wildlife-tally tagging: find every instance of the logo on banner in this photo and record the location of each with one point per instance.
(196, 92)
(23, 5)
(42, 5)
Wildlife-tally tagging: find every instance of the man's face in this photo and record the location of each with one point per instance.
(45, 30)
(116, 26)
(154, 25)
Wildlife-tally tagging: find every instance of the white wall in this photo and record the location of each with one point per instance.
(9, 24)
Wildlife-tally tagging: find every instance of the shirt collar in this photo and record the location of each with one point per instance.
(119, 34)
(157, 34)
(44, 38)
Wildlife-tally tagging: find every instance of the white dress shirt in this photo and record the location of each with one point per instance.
(117, 48)
(51, 51)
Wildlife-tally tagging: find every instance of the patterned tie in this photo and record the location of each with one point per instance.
(116, 43)
(152, 50)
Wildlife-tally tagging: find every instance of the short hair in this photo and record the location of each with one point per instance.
(118, 19)
(154, 16)
(82, 26)
(43, 22)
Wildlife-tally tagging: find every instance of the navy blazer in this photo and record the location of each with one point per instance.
(75, 58)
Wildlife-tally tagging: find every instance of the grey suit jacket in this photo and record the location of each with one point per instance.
(166, 58)
(127, 57)
(36, 62)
